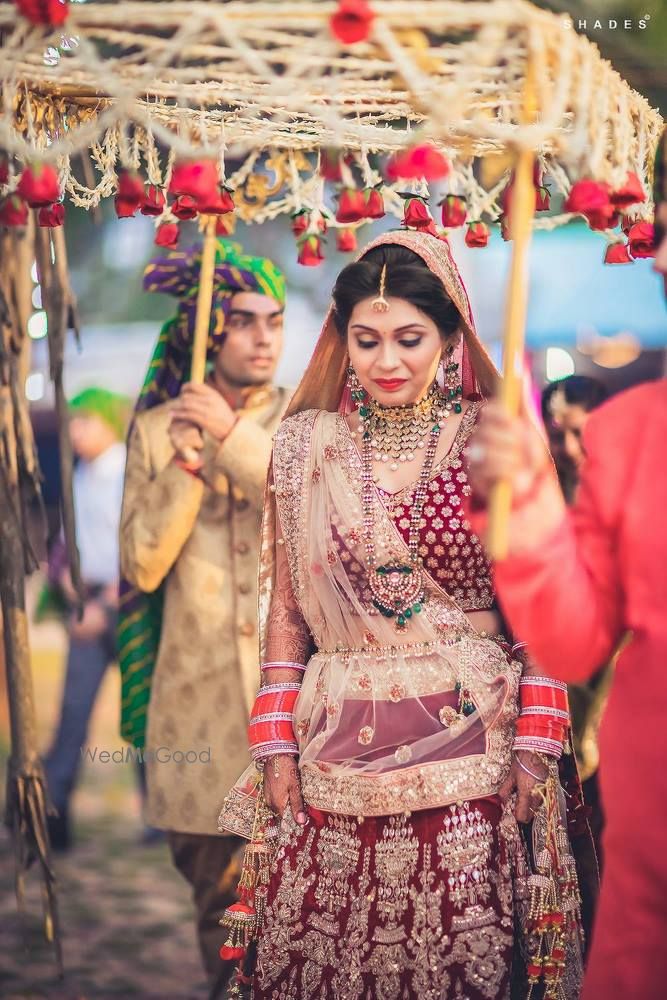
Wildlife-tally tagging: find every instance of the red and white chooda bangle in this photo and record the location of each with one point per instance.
(271, 726)
(544, 717)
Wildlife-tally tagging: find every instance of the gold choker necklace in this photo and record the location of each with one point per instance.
(399, 433)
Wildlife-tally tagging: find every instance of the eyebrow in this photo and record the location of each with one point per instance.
(249, 312)
(399, 329)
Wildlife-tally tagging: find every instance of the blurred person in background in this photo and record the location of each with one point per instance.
(97, 424)
(566, 407)
(197, 463)
(578, 585)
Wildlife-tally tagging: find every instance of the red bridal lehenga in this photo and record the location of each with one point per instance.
(410, 879)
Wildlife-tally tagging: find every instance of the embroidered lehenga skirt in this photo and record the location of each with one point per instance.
(391, 907)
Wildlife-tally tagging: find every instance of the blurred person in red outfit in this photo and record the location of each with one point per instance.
(566, 407)
(576, 586)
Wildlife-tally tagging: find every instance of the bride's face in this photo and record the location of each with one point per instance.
(395, 353)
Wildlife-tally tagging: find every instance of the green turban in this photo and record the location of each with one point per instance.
(111, 407)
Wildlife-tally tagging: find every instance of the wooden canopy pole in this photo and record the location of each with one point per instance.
(203, 314)
(204, 300)
(522, 210)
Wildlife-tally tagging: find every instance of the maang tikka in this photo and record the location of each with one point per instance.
(380, 304)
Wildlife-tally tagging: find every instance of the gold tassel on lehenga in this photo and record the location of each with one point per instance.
(243, 920)
(553, 920)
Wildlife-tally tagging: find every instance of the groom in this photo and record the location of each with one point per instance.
(197, 462)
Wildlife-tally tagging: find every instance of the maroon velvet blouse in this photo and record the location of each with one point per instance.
(452, 553)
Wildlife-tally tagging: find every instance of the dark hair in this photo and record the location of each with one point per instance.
(580, 390)
(408, 277)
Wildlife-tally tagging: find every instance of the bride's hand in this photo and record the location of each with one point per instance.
(526, 774)
(282, 784)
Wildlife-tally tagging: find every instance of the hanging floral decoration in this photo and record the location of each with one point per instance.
(401, 114)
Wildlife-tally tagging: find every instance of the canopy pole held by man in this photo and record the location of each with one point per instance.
(204, 300)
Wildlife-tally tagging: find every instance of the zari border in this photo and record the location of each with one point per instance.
(424, 787)
(291, 454)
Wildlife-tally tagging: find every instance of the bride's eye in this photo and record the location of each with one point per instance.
(410, 343)
(366, 344)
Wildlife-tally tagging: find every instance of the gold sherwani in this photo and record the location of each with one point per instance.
(200, 537)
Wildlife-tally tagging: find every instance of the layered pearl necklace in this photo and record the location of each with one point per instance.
(398, 588)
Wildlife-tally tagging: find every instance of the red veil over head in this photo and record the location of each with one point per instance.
(323, 385)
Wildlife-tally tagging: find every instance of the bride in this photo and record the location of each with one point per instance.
(385, 732)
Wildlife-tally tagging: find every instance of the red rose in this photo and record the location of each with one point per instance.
(542, 198)
(641, 240)
(198, 179)
(374, 203)
(352, 21)
(167, 235)
(13, 211)
(125, 208)
(331, 161)
(351, 206)
(303, 220)
(346, 240)
(51, 216)
(310, 252)
(477, 234)
(131, 187)
(49, 12)
(605, 219)
(629, 193)
(185, 207)
(587, 197)
(39, 185)
(419, 161)
(130, 195)
(300, 222)
(154, 201)
(416, 213)
(454, 211)
(617, 253)
(221, 204)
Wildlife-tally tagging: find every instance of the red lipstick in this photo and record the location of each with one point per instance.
(390, 384)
